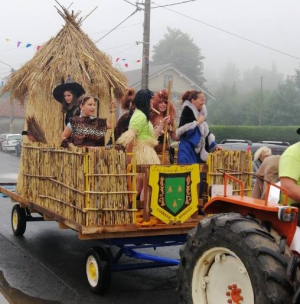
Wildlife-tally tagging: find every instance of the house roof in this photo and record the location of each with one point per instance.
(134, 76)
(5, 108)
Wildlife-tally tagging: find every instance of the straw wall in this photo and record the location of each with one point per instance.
(89, 188)
(236, 163)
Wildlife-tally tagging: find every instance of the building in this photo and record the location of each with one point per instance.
(159, 77)
(11, 114)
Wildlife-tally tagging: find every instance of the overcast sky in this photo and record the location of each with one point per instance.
(273, 23)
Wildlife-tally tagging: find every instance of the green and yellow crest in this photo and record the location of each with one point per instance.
(174, 192)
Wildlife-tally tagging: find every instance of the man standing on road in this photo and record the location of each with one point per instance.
(289, 172)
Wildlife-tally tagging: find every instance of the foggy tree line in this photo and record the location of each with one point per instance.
(258, 97)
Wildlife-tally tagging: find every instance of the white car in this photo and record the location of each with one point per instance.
(10, 141)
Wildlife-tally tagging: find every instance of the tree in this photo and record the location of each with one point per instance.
(179, 49)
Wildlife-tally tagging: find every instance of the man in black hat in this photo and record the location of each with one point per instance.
(289, 172)
(67, 93)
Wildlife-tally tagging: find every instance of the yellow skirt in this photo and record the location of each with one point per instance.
(145, 153)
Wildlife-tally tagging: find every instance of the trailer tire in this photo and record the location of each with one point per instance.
(98, 270)
(229, 258)
(18, 220)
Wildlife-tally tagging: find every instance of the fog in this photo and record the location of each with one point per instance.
(222, 29)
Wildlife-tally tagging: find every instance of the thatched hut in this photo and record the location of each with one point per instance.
(73, 53)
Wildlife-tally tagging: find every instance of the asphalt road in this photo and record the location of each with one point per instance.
(47, 264)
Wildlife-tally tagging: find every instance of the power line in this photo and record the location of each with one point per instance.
(136, 10)
(232, 34)
(118, 28)
(134, 45)
(183, 2)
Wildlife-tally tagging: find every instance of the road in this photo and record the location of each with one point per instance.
(47, 264)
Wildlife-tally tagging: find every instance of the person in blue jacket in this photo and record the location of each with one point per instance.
(196, 141)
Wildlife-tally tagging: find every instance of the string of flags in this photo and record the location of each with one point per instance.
(27, 45)
(37, 47)
(126, 64)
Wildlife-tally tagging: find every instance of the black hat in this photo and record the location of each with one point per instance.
(58, 92)
(298, 131)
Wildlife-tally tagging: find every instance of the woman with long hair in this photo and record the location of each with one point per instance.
(196, 141)
(160, 106)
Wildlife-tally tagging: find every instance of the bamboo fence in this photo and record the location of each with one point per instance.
(89, 188)
(236, 163)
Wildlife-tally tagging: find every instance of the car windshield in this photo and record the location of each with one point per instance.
(14, 137)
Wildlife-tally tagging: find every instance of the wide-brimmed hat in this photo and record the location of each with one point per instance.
(76, 88)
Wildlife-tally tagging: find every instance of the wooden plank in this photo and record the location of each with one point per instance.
(147, 190)
(104, 232)
(138, 233)
(63, 226)
(14, 196)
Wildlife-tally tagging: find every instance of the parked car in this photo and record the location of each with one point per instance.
(10, 141)
(18, 147)
(277, 147)
(2, 138)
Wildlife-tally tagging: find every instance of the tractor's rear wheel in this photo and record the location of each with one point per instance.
(229, 258)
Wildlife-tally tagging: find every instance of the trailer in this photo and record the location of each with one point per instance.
(99, 201)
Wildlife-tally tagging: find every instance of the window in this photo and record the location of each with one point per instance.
(168, 78)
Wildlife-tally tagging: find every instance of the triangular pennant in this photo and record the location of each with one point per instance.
(18, 43)
(138, 60)
(28, 45)
(117, 59)
(126, 64)
(38, 47)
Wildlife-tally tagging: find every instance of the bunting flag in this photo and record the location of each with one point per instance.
(126, 64)
(138, 60)
(124, 59)
(27, 45)
(117, 59)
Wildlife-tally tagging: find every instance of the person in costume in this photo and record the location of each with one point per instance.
(196, 141)
(141, 137)
(122, 124)
(67, 93)
(86, 130)
(160, 104)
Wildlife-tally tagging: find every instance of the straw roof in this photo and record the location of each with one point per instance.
(72, 53)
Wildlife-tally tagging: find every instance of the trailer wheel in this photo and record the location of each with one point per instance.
(98, 270)
(229, 258)
(18, 220)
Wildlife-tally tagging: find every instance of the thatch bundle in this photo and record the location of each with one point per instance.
(72, 53)
(34, 128)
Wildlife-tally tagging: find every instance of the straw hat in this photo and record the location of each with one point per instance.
(69, 85)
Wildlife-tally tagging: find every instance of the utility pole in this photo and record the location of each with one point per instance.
(260, 102)
(146, 45)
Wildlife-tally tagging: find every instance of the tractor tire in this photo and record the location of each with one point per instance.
(230, 258)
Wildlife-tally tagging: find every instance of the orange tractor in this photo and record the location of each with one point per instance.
(244, 252)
